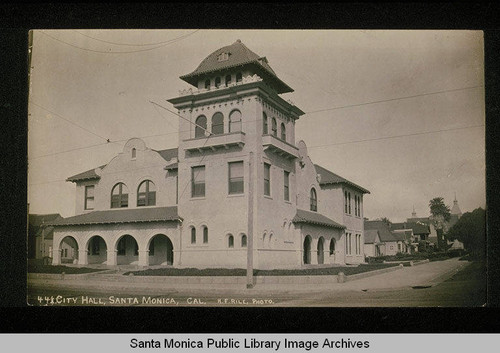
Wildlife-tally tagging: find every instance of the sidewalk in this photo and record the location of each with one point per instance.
(424, 275)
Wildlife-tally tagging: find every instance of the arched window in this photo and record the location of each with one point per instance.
(274, 127)
(119, 196)
(207, 84)
(332, 246)
(239, 77)
(218, 124)
(230, 241)
(134, 152)
(243, 241)
(201, 126)
(228, 80)
(235, 121)
(283, 132)
(205, 235)
(217, 82)
(265, 127)
(146, 194)
(193, 235)
(314, 200)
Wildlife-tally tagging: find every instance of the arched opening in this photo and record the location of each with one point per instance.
(239, 77)
(201, 126)
(218, 124)
(283, 132)
(314, 201)
(274, 127)
(217, 82)
(205, 234)
(146, 194)
(97, 250)
(119, 196)
(332, 247)
(68, 248)
(134, 153)
(265, 126)
(207, 84)
(230, 241)
(243, 241)
(321, 248)
(228, 80)
(127, 250)
(161, 250)
(193, 235)
(307, 250)
(235, 121)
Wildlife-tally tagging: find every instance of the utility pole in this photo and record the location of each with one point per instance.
(250, 223)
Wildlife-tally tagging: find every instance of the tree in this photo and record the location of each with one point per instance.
(470, 229)
(386, 221)
(440, 214)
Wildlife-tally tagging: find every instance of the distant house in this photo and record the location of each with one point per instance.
(40, 235)
(380, 241)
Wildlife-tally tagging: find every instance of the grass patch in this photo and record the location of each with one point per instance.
(432, 256)
(242, 272)
(37, 268)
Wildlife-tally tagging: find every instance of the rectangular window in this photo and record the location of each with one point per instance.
(236, 178)
(267, 179)
(89, 197)
(198, 181)
(286, 186)
(345, 201)
(349, 199)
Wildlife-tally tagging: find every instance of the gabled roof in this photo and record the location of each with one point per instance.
(303, 216)
(91, 174)
(401, 236)
(371, 236)
(382, 228)
(330, 178)
(143, 214)
(238, 55)
(417, 227)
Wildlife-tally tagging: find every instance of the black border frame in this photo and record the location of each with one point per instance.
(18, 18)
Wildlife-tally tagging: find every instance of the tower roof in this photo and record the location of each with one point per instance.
(455, 210)
(234, 55)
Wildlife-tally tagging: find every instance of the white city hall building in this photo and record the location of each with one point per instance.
(238, 185)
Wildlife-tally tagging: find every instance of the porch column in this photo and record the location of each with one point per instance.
(144, 258)
(56, 259)
(111, 257)
(314, 252)
(83, 257)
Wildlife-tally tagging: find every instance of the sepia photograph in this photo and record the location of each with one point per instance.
(256, 168)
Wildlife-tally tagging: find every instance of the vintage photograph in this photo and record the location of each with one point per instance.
(291, 168)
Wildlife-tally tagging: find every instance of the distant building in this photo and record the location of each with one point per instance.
(40, 235)
(380, 241)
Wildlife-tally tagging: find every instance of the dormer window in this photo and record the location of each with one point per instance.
(223, 57)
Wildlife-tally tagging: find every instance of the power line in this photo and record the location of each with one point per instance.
(135, 45)
(396, 136)
(170, 133)
(118, 52)
(71, 122)
(394, 99)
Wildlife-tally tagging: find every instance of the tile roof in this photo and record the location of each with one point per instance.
(91, 174)
(382, 228)
(327, 178)
(417, 227)
(143, 214)
(303, 216)
(370, 236)
(239, 55)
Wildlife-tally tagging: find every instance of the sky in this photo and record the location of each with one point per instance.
(400, 113)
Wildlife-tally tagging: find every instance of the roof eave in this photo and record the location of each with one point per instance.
(363, 190)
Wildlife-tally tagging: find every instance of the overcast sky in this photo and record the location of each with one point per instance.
(400, 113)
